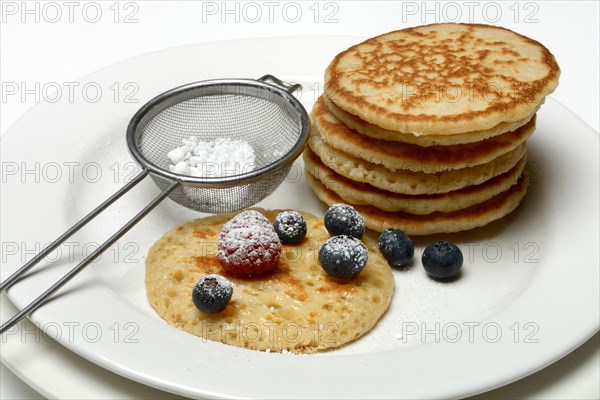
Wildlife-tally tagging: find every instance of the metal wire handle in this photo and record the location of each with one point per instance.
(34, 305)
(289, 87)
(11, 280)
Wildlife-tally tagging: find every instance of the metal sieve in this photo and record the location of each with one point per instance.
(265, 115)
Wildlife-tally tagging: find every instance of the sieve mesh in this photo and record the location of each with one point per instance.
(268, 120)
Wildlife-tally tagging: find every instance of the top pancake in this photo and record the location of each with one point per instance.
(442, 79)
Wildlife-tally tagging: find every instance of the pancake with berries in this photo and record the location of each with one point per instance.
(264, 288)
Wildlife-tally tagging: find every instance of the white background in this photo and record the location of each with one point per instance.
(44, 45)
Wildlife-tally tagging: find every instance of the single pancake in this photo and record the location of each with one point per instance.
(395, 156)
(364, 194)
(376, 132)
(456, 221)
(297, 307)
(410, 182)
(442, 79)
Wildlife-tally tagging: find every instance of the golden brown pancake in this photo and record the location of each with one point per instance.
(376, 132)
(442, 79)
(364, 194)
(395, 155)
(410, 182)
(297, 307)
(456, 221)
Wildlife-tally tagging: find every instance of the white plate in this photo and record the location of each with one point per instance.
(528, 295)
(57, 373)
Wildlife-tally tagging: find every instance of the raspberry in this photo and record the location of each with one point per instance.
(246, 218)
(248, 246)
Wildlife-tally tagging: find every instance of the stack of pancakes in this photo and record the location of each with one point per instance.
(425, 129)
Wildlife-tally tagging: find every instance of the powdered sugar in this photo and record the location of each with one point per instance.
(246, 218)
(290, 227)
(247, 245)
(348, 249)
(291, 221)
(219, 287)
(218, 158)
(212, 293)
(343, 256)
(343, 219)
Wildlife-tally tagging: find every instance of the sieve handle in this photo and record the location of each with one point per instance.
(287, 86)
(8, 282)
(34, 305)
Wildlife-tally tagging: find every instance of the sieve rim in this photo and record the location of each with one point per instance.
(189, 91)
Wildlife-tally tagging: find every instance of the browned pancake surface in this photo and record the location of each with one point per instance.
(442, 79)
(395, 155)
(406, 181)
(460, 220)
(364, 194)
(377, 132)
(297, 307)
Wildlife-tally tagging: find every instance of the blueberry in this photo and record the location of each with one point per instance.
(212, 294)
(342, 219)
(343, 256)
(442, 260)
(396, 247)
(290, 227)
